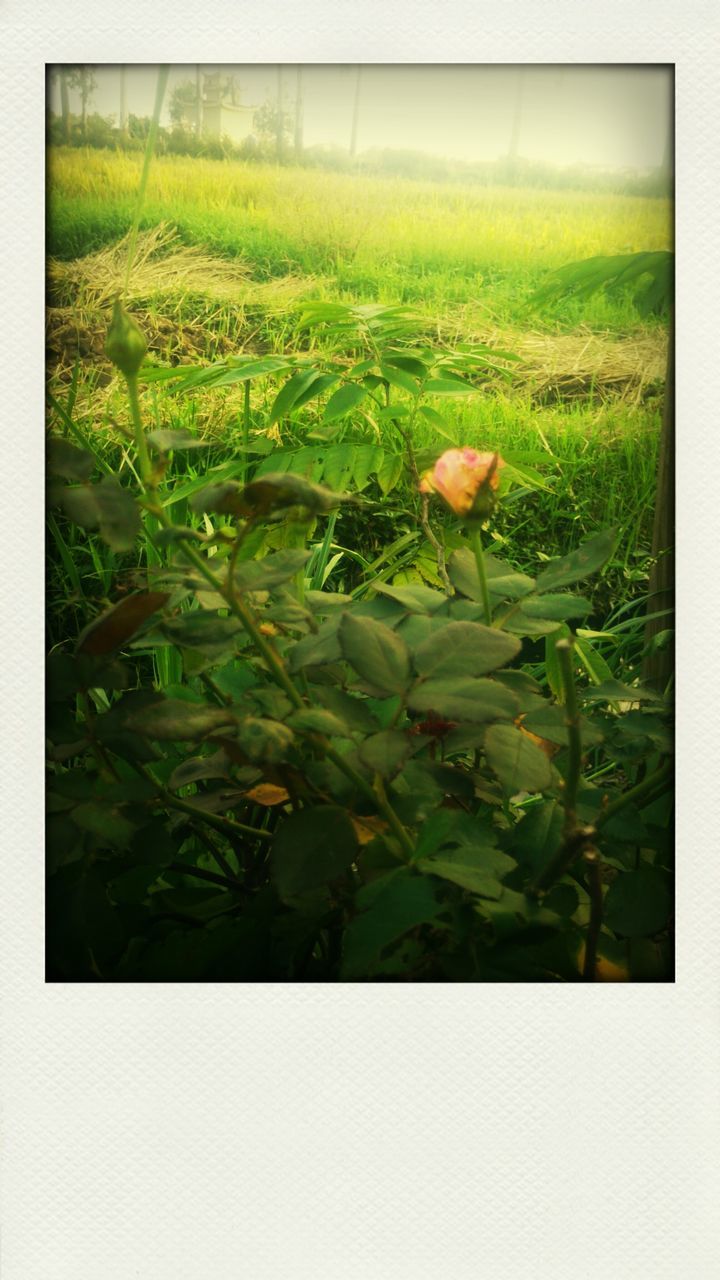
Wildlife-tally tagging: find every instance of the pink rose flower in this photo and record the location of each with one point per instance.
(460, 474)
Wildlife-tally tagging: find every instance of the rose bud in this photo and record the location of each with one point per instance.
(467, 480)
(125, 344)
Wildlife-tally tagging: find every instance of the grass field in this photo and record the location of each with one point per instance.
(389, 240)
(245, 246)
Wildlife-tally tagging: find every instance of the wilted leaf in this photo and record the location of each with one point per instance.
(267, 795)
(175, 720)
(114, 627)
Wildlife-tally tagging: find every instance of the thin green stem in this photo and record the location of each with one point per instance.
(246, 429)
(216, 820)
(564, 650)
(653, 782)
(141, 444)
(476, 544)
(163, 73)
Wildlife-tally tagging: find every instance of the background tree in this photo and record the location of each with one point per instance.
(183, 105)
(82, 79)
(268, 122)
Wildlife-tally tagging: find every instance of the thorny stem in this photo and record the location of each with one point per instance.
(583, 837)
(226, 825)
(476, 544)
(653, 782)
(594, 868)
(98, 749)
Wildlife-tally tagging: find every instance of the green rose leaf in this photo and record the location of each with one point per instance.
(107, 506)
(464, 698)
(519, 763)
(581, 563)
(384, 752)
(503, 581)
(638, 904)
(464, 649)
(388, 907)
(310, 848)
(376, 653)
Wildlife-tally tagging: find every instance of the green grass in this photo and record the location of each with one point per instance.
(381, 239)
(466, 258)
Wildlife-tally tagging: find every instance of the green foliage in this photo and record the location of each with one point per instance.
(284, 742)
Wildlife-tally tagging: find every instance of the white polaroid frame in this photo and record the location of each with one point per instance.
(360, 1132)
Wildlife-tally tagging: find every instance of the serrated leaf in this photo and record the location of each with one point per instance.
(318, 720)
(464, 649)
(224, 498)
(389, 472)
(555, 606)
(384, 752)
(503, 581)
(375, 652)
(271, 570)
(414, 598)
(201, 630)
(550, 723)
(388, 907)
(464, 698)
(367, 458)
(66, 460)
(638, 903)
(516, 761)
(266, 741)
(106, 822)
(277, 490)
(310, 848)
(581, 563)
(107, 506)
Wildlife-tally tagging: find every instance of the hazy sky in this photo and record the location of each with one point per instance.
(614, 116)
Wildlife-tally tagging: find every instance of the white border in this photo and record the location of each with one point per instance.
(373, 1132)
